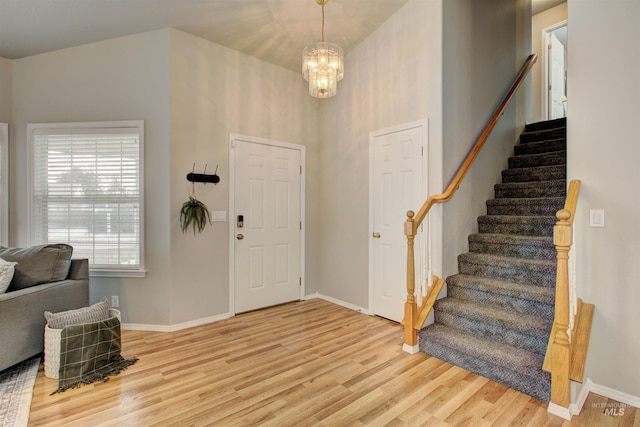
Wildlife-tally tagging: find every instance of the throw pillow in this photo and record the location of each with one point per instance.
(94, 313)
(6, 274)
(38, 264)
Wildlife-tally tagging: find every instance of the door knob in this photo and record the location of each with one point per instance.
(376, 235)
(239, 237)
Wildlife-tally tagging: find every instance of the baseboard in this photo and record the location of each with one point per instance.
(176, 327)
(618, 395)
(217, 318)
(591, 387)
(338, 302)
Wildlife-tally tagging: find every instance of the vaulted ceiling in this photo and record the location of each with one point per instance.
(273, 30)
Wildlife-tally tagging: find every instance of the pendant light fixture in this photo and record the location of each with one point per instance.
(323, 65)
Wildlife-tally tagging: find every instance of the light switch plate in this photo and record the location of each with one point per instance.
(596, 218)
(218, 216)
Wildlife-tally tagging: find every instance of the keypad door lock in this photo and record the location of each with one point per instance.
(240, 223)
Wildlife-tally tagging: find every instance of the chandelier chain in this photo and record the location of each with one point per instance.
(323, 23)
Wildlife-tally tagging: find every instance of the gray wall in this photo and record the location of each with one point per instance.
(481, 55)
(124, 78)
(216, 91)
(393, 77)
(5, 90)
(191, 94)
(603, 152)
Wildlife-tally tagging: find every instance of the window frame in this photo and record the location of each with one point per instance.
(130, 125)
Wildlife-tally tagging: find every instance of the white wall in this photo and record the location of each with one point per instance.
(603, 151)
(124, 78)
(216, 91)
(482, 53)
(540, 21)
(392, 77)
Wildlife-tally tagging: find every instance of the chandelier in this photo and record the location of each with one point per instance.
(323, 65)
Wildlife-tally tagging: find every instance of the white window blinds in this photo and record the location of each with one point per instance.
(87, 191)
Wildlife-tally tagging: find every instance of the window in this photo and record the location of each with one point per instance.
(4, 184)
(88, 192)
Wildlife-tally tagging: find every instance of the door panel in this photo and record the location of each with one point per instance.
(267, 193)
(397, 187)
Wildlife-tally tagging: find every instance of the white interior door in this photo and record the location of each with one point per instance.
(397, 186)
(266, 224)
(557, 92)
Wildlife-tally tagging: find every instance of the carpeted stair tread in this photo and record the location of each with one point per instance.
(524, 299)
(542, 135)
(514, 367)
(508, 327)
(519, 270)
(521, 225)
(541, 173)
(536, 160)
(546, 124)
(499, 309)
(556, 188)
(545, 206)
(549, 146)
(513, 245)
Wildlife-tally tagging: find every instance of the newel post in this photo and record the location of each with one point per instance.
(410, 306)
(561, 350)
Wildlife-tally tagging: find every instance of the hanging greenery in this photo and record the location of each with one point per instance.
(194, 213)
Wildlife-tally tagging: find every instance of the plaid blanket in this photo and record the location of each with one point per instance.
(90, 352)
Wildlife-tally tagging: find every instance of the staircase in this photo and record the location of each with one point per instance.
(499, 310)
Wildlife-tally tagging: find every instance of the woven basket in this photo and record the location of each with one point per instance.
(52, 347)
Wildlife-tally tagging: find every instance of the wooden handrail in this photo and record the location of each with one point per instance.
(468, 161)
(411, 312)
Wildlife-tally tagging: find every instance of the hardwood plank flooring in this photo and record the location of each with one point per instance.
(309, 363)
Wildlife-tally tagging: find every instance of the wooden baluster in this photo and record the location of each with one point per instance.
(561, 350)
(410, 306)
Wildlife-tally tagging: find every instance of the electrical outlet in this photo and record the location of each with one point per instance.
(115, 301)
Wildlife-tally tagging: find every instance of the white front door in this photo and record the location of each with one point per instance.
(266, 223)
(397, 185)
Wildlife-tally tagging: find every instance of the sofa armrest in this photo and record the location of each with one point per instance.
(79, 269)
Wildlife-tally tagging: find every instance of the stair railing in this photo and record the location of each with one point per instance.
(415, 316)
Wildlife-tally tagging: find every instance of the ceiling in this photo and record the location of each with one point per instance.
(272, 30)
(275, 31)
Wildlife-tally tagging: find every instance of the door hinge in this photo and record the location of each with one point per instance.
(300, 281)
(422, 150)
(300, 169)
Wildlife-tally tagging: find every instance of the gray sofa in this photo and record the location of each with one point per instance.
(22, 307)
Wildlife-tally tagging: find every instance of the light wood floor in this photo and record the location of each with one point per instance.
(306, 363)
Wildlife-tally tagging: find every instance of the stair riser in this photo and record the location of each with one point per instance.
(541, 226)
(541, 147)
(538, 160)
(533, 190)
(546, 125)
(557, 172)
(541, 207)
(524, 250)
(543, 135)
(538, 386)
(507, 302)
(492, 331)
(526, 275)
